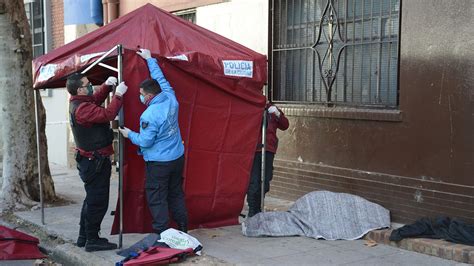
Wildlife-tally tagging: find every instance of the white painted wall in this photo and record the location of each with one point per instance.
(72, 32)
(243, 21)
(60, 139)
(57, 126)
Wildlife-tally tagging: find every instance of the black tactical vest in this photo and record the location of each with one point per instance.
(92, 138)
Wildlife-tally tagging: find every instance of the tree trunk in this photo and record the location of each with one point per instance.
(49, 194)
(17, 114)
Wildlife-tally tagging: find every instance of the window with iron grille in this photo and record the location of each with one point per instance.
(189, 15)
(34, 12)
(342, 52)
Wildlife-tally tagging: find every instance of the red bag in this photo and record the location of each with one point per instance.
(15, 245)
(160, 255)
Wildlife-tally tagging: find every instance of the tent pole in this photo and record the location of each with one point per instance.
(262, 177)
(98, 60)
(119, 165)
(38, 153)
(121, 148)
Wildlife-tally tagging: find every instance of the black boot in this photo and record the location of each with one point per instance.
(81, 241)
(99, 244)
(253, 212)
(183, 228)
(254, 203)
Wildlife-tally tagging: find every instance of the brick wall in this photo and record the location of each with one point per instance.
(407, 198)
(57, 23)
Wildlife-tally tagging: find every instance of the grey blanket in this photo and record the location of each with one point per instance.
(321, 214)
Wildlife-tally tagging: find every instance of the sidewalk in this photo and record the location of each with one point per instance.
(224, 245)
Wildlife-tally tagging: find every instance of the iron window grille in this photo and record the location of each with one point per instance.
(189, 15)
(35, 14)
(342, 52)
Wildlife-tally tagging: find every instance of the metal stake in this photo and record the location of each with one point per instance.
(121, 148)
(38, 153)
(264, 142)
(121, 123)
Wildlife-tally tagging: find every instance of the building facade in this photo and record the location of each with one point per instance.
(46, 19)
(379, 94)
(380, 100)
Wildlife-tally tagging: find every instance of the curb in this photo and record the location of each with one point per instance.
(57, 248)
(433, 247)
(66, 253)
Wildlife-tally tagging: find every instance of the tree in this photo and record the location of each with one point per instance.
(20, 186)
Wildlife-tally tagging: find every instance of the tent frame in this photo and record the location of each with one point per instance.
(119, 166)
(264, 160)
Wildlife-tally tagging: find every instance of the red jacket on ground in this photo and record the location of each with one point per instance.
(91, 112)
(273, 123)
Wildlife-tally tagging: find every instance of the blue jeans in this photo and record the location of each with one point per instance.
(255, 186)
(164, 189)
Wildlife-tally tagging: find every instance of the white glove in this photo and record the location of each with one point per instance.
(121, 89)
(111, 81)
(124, 131)
(272, 109)
(144, 53)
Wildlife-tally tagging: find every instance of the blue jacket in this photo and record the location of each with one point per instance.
(159, 138)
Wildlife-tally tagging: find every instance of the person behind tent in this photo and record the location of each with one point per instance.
(275, 120)
(160, 143)
(93, 137)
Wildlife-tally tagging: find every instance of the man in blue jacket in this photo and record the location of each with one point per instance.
(160, 143)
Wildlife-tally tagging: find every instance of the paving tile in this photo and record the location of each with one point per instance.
(327, 256)
(358, 245)
(305, 258)
(239, 240)
(230, 253)
(404, 258)
(337, 243)
(302, 244)
(271, 249)
(379, 250)
(232, 229)
(227, 243)
(262, 262)
(17, 263)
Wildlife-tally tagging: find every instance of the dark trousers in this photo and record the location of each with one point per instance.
(96, 177)
(164, 192)
(255, 186)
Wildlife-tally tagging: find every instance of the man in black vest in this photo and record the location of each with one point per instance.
(93, 136)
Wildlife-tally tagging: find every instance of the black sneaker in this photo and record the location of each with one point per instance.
(183, 228)
(253, 212)
(99, 244)
(81, 241)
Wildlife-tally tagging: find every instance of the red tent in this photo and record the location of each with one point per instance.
(218, 84)
(15, 245)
